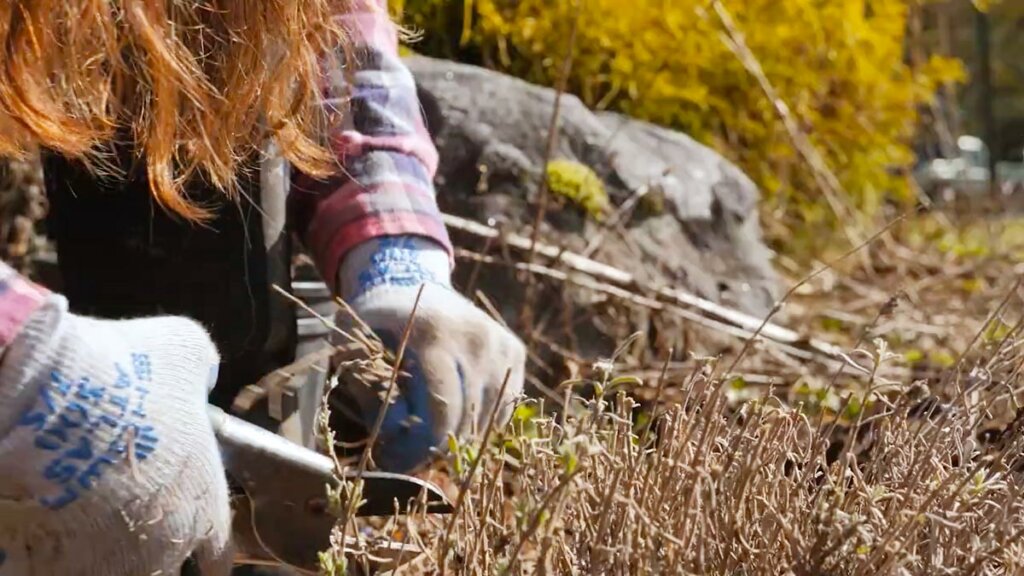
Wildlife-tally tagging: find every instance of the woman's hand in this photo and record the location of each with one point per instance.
(456, 356)
(109, 462)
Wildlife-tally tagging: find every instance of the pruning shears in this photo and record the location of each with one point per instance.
(280, 496)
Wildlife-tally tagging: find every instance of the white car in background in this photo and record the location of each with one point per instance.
(968, 173)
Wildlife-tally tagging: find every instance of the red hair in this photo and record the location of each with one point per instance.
(198, 85)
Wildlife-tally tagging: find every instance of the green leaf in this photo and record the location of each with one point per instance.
(626, 380)
(569, 459)
(913, 356)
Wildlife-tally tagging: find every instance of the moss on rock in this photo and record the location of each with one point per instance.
(578, 184)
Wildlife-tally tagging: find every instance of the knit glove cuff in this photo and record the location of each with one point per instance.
(393, 262)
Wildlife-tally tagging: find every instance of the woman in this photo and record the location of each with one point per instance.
(178, 136)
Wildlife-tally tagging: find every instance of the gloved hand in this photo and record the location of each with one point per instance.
(456, 356)
(108, 462)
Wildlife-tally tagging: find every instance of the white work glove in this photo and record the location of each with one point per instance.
(108, 461)
(456, 356)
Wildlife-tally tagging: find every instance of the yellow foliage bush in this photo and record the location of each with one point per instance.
(838, 65)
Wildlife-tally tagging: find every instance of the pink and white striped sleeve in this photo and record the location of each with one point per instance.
(19, 298)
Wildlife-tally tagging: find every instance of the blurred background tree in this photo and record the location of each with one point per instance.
(951, 27)
(866, 81)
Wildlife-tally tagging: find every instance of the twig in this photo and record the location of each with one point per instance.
(475, 274)
(823, 175)
(538, 516)
(365, 458)
(988, 321)
(662, 380)
(622, 279)
(789, 293)
(327, 322)
(393, 383)
(613, 291)
(464, 487)
(526, 320)
(623, 212)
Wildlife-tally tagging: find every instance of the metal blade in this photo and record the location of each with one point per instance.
(285, 488)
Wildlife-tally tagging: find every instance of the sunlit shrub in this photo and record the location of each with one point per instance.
(838, 65)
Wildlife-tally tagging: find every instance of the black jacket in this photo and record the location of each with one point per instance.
(122, 256)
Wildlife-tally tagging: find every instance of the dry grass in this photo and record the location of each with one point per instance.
(888, 467)
(751, 491)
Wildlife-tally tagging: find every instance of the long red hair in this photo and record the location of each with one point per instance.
(198, 85)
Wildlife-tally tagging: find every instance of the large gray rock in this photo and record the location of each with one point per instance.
(491, 130)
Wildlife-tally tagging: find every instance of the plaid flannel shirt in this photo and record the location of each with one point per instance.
(388, 160)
